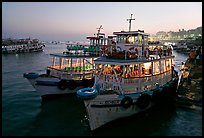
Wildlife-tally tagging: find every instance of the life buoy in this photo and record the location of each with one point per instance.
(132, 53)
(104, 51)
(131, 49)
(126, 102)
(146, 53)
(62, 84)
(87, 93)
(101, 51)
(143, 101)
(169, 50)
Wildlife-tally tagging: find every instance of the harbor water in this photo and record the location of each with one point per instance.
(24, 113)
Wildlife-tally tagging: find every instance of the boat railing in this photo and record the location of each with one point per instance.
(132, 85)
(75, 67)
(130, 80)
(141, 79)
(108, 86)
(70, 75)
(161, 78)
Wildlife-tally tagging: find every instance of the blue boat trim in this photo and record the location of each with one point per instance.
(31, 75)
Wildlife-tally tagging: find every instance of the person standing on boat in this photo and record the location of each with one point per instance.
(198, 51)
(182, 67)
(174, 72)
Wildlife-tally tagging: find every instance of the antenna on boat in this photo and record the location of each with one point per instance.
(130, 22)
(99, 30)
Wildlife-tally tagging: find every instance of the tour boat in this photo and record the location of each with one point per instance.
(70, 70)
(15, 46)
(131, 77)
(67, 74)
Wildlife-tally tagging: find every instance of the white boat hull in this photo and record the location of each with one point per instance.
(99, 116)
(105, 108)
(47, 90)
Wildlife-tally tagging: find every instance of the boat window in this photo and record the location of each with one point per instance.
(134, 70)
(140, 39)
(163, 69)
(168, 64)
(145, 40)
(98, 68)
(142, 70)
(148, 68)
(156, 66)
(118, 69)
(126, 72)
(121, 39)
(130, 39)
(107, 69)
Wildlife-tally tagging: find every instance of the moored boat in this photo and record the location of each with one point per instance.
(131, 77)
(67, 74)
(15, 46)
(71, 70)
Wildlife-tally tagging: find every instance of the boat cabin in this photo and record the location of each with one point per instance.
(71, 67)
(135, 65)
(94, 47)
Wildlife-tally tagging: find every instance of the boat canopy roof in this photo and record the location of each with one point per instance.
(61, 55)
(135, 33)
(92, 37)
(104, 60)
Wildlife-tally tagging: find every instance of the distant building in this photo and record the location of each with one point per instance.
(180, 35)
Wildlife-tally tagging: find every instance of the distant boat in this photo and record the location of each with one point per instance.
(130, 77)
(14, 46)
(70, 70)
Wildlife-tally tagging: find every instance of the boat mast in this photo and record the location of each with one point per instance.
(99, 29)
(130, 22)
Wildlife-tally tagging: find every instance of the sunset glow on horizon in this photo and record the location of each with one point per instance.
(74, 21)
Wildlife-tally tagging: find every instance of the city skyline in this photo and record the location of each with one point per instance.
(73, 21)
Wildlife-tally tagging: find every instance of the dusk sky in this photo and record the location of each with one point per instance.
(73, 21)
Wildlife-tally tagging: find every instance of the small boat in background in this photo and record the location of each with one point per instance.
(15, 46)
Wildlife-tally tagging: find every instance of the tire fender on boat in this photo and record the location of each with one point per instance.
(157, 96)
(72, 84)
(169, 92)
(88, 82)
(143, 101)
(126, 102)
(62, 84)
